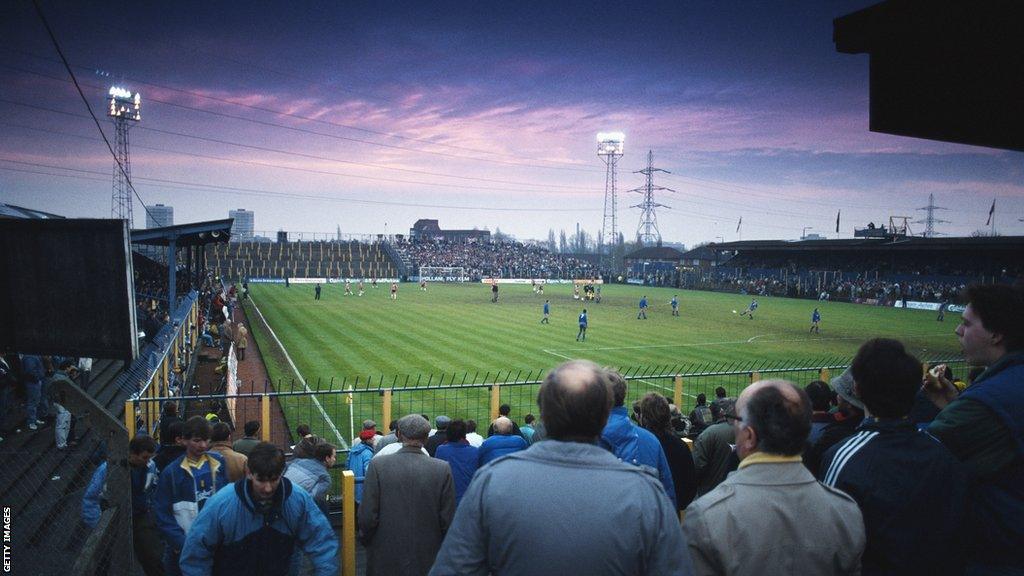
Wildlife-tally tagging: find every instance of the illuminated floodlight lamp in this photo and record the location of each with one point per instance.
(124, 104)
(610, 143)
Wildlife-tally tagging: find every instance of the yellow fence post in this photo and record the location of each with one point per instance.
(129, 418)
(495, 401)
(265, 418)
(755, 377)
(823, 375)
(677, 393)
(385, 409)
(348, 523)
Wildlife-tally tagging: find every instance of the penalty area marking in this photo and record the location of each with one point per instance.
(312, 397)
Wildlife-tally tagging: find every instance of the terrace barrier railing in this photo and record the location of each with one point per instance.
(159, 371)
(348, 402)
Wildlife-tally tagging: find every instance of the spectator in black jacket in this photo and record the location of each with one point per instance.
(656, 416)
(175, 445)
(845, 421)
(910, 489)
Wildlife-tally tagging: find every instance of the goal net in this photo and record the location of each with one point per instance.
(443, 274)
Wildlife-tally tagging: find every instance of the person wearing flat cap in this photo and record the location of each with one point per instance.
(844, 424)
(408, 505)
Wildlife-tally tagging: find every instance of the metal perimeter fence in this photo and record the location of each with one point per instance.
(336, 409)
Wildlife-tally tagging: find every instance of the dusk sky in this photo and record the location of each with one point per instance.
(370, 115)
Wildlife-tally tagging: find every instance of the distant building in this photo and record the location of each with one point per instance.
(158, 216)
(652, 260)
(243, 229)
(430, 230)
(700, 257)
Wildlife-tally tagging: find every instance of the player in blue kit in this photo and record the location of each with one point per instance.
(582, 334)
(547, 311)
(750, 309)
(675, 305)
(643, 309)
(815, 319)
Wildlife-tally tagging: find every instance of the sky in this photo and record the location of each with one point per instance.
(366, 116)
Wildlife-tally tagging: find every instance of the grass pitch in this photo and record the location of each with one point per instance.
(454, 330)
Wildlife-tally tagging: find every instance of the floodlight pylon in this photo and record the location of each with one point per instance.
(125, 111)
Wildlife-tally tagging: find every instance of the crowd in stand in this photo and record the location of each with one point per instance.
(960, 263)
(828, 286)
(878, 471)
(33, 381)
(497, 259)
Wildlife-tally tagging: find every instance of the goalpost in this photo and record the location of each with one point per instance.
(443, 274)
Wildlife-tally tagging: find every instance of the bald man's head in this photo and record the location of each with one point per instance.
(503, 426)
(778, 414)
(574, 401)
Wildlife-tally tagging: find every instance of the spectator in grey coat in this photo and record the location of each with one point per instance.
(585, 512)
(408, 504)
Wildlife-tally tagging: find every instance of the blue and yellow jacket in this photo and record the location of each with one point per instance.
(233, 535)
(183, 490)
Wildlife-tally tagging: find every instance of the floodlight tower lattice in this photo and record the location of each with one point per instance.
(647, 231)
(125, 110)
(610, 150)
(929, 219)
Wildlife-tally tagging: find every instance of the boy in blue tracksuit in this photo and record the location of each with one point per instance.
(185, 485)
(583, 327)
(257, 524)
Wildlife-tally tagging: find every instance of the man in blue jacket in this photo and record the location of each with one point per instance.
(255, 525)
(501, 443)
(909, 487)
(185, 485)
(984, 426)
(631, 443)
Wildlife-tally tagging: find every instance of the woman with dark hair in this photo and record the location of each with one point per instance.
(655, 415)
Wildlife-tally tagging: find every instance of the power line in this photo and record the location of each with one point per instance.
(314, 132)
(301, 117)
(192, 186)
(67, 66)
(293, 168)
(647, 231)
(930, 220)
(178, 184)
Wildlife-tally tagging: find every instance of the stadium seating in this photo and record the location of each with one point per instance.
(242, 260)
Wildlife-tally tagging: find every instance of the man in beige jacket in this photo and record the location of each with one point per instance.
(771, 516)
(220, 442)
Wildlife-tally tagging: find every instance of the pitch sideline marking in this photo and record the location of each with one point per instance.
(288, 357)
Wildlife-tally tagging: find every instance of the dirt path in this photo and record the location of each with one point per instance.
(252, 378)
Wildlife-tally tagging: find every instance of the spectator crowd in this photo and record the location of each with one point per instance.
(879, 471)
(498, 259)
